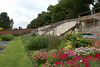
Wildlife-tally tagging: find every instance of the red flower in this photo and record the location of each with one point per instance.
(86, 65)
(97, 55)
(49, 66)
(83, 61)
(72, 66)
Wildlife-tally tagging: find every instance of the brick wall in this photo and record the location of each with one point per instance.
(15, 31)
(96, 42)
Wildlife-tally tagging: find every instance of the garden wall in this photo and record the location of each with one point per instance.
(15, 31)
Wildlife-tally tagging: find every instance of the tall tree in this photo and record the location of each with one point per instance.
(97, 5)
(5, 21)
(65, 9)
(44, 18)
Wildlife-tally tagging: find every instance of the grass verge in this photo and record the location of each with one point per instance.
(14, 55)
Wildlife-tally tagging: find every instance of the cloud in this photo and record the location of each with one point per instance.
(23, 11)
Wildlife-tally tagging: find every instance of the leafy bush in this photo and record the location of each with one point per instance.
(7, 37)
(54, 42)
(17, 34)
(62, 45)
(82, 42)
(33, 34)
(41, 42)
(78, 40)
(26, 32)
(37, 43)
(71, 36)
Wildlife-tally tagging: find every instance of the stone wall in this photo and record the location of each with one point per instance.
(56, 28)
(63, 28)
(91, 25)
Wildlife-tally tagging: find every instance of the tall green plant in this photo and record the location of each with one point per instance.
(54, 42)
(37, 43)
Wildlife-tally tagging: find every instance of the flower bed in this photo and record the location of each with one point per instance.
(62, 51)
(68, 58)
(2, 47)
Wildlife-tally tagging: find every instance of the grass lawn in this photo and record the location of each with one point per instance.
(14, 55)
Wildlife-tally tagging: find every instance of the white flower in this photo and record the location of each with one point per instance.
(80, 60)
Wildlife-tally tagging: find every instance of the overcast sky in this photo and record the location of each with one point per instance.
(23, 11)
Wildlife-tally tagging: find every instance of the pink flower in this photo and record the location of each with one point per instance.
(61, 48)
(65, 62)
(70, 61)
(88, 56)
(95, 58)
(46, 63)
(91, 58)
(51, 59)
(58, 62)
(54, 64)
(43, 66)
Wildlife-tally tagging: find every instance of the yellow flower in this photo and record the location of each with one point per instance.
(68, 47)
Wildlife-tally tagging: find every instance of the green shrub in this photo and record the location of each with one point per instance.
(37, 43)
(82, 42)
(41, 42)
(26, 32)
(33, 34)
(62, 45)
(71, 36)
(1, 34)
(54, 42)
(7, 37)
(17, 34)
(78, 40)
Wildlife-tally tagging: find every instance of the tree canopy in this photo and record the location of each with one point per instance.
(5, 21)
(65, 9)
